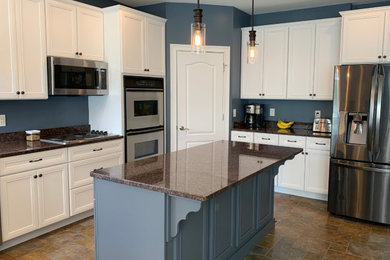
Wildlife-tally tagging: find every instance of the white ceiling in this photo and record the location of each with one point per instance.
(261, 6)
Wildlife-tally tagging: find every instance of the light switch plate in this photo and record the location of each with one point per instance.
(234, 112)
(2, 121)
(272, 112)
(317, 114)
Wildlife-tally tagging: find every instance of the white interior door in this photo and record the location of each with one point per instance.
(200, 98)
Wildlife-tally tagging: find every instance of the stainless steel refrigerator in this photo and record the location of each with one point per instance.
(359, 180)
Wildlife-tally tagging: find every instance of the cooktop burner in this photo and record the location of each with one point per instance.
(77, 138)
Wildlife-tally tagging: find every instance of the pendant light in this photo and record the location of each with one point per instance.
(198, 32)
(251, 47)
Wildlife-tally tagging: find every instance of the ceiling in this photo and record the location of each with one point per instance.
(261, 6)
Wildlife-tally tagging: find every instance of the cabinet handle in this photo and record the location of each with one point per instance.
(98, 169)
(291, 141)
(40, 175)
(33, 161)
(35, 176)
(17, 92)
(267, 139)
(240, 136)
(97, 150)
(320, 144)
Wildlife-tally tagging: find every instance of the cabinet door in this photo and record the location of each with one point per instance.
(155, 47)
(362, 38)
(386, 41)
(327, 55)
(317, 171)
(53, 194)
(133, 43)
(30, 24)
(301, 61)
(251, 74)
(90, 34)
(8, 61)
(19, 205)
(61, 28)
(275, 62)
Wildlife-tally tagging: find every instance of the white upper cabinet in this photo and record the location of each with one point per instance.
(143, 43)
(365, 36)
(90, 34)
(251, 74)
(8, 51)
(327, 51)
(74, 31)
(133, 28)
(275, 62)
(301, 61)
(295, 61)
(155, 46)
(23, 50)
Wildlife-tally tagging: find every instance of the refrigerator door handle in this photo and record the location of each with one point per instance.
(374, 87)
(378, 109)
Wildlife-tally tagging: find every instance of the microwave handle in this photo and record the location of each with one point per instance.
(98, 78)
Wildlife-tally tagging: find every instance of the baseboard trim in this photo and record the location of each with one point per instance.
(44, 230)
(305, 194)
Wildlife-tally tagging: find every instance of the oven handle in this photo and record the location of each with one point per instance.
(144, 131)
(144, 89)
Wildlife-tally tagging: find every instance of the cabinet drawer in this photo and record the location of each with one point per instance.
(318, 143)
(79, 171)
(242, 136)
(32, 161)
(97, 149)
(81, 199)
(292, 141)
(262, 138)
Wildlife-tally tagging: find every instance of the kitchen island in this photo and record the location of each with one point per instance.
(213, 201)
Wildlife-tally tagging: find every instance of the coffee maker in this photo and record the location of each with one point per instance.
(250, 117)
(259, 113)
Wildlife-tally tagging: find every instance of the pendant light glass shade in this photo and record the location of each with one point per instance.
(198, 32)
(251, 46)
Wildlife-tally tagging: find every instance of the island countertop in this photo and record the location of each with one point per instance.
(201, 172)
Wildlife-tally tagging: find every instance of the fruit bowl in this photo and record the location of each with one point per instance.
(284, 125)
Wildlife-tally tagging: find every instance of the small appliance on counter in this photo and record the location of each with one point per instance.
(254, 115)
(322, 125)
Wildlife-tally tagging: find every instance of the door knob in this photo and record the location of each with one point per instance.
(182, 128)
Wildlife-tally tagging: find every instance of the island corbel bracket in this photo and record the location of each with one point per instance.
(177, 210)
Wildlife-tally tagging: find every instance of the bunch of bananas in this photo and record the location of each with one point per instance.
(284, 125)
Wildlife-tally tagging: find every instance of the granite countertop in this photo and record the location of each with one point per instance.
(12, 144)
(199, 173)
(298, 129)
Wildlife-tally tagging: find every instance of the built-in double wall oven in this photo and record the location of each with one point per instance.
(144, 106)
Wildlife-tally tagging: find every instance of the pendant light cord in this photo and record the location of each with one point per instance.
(253, 11)
(198, 5)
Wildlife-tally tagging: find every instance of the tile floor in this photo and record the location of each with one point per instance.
(304, 230)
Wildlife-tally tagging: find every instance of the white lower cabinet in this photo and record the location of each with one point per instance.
(81, 199)
(33, 199)
(307, 172)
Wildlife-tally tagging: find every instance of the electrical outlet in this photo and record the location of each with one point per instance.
(272, 112)
(317, 114)
(2, 121)
(234, 112)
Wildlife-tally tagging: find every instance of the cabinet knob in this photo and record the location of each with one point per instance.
(35, 176)
(80, 53)
(22, 92)
(306, 153)
(379, 56)
(17, 92)
(384, 56)
(40, 175)
(146, 69)
(310, 94)
(263, 94)
(77, 53)
(314, 95)
(260, 94)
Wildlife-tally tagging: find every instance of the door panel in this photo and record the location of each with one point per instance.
(90, 34)
(61, 29)
(32, 48)
(200, 98)
(327, 55)
(133, 28)
(251, 74)
(53, 194)
(246, 211)
(8, 54)
(155, 47)
(317, 171)
(301, 61)
(19, 207)
(275, 62)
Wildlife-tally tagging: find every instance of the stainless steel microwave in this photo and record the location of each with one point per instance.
(76, 77)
